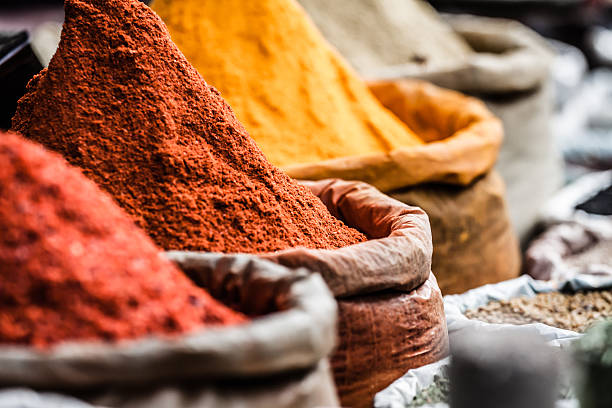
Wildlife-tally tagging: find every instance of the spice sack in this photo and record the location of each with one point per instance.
(92, 308)
(450, 178)
(390, 307)
(278, 359)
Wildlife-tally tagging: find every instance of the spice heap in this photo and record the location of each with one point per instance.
(74, 266)
(566, 311)
(296, 96)
(120, 100)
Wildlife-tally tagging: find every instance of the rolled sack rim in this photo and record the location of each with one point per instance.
(520, 62)
(469, 152)
(397, 255)
(293, 339)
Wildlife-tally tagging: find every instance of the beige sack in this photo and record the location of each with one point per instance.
(277, 360)
(508, 57)
(391, 311)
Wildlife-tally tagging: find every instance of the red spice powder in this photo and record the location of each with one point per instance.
(74, 266)
(121, 101)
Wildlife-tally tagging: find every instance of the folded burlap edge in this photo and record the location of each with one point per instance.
(296, 337)
(459, 159)
(396, 256)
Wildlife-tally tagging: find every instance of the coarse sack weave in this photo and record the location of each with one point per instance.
(391, 312)
(472, 236)
(277, 360)
(463, 139)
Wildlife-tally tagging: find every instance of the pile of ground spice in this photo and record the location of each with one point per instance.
(566, 311)
(73, 266)
(296, 96)
(120, 101)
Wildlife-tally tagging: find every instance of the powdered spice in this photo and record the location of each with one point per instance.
(73, 266)
(297, 97)
(121, 101)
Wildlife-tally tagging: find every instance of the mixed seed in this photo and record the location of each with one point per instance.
(574, 312)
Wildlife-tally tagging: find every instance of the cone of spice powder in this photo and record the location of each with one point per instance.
(73, 266)
(295, 94)
(121, 101)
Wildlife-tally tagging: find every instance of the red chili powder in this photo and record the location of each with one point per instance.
(74, 266)
(121, 101)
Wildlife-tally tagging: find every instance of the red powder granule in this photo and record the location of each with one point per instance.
(121, 101)
(73, 266)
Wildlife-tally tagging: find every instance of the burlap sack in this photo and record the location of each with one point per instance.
(510, 71)
(462, 136)
(384, 335)
(509, 57)
(276, 360)
(391, 312)
(473, 240)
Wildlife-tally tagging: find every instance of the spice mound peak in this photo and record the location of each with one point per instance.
(121, 101)
(295, 94)
(73, 266)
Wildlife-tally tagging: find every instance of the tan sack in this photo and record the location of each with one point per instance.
(463, 139)
(473, 240)
(391, 311)
(510, 71)
(374, 34)
(276, 360)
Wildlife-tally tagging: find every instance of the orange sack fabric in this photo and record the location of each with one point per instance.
(387, 296)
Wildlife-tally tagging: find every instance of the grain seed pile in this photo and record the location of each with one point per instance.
(566, 311)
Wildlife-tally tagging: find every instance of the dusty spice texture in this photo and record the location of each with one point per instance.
(120, 101)
(566, 311)
(73, 266)
(296, 96)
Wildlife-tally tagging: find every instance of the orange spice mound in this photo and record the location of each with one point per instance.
(121, 101)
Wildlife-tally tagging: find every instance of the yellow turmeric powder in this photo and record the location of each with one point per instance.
(295, 95)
